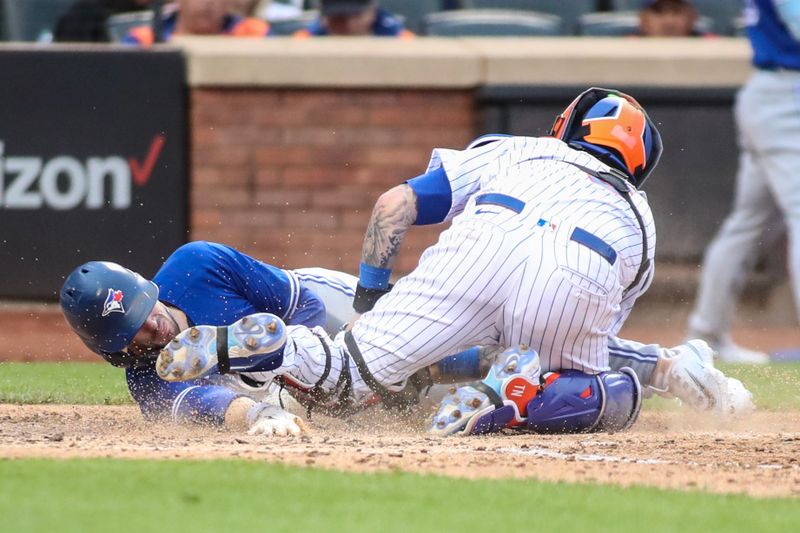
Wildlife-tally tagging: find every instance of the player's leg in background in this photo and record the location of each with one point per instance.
(335, 289)
(735, 249)
(779, 142)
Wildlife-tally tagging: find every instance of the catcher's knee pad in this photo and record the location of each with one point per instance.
(574, 402)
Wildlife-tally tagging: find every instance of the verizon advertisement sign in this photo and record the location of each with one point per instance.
(92, 163)
(65, 182)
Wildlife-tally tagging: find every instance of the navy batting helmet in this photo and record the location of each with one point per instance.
(613, 127)
(106, 304)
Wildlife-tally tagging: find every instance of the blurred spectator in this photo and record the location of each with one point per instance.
(279, 9)
(85, 20)
(244, 8)
(767, 194)
(354, 17)
(200, 17)
(668, 18)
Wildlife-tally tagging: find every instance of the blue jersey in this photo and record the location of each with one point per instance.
(216, 285)
(768, 27)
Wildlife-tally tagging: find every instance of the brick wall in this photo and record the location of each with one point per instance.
(290, 176)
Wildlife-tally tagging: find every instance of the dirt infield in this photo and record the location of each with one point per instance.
(759, 457)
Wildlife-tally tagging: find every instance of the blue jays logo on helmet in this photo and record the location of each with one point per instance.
(113, 303)
(106, 305)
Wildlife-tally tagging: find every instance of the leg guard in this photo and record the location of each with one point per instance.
(574, 402)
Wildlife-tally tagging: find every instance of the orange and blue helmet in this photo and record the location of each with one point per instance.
(614, 128)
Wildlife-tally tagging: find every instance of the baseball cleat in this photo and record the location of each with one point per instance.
(252, 344)
(497, 402)
(460, 411)
(693, 379)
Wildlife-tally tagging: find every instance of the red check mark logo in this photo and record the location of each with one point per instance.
(141, 173)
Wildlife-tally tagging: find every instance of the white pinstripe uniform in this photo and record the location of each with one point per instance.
(553, 275)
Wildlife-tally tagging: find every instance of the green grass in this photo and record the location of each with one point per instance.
(774, 386)
(63, 383)
(140, 496)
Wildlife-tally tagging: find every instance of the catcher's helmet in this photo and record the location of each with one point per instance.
(106, 304)
(613, 127)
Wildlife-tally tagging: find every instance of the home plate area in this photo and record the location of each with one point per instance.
(675, 450)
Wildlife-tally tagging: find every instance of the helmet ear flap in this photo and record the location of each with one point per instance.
(558, 126)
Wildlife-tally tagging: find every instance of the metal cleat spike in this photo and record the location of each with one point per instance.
(523, 347)
(475, 403)
(177, 372)
(251, 342)
(272, 327)
(194, 333)
(441, 424)
(197, 364)
(511, 367)
(452, 390)
(247, 322)
(456, 414)
(175, 344)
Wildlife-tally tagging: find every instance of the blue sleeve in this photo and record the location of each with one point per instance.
(181, 401)
(211, 282)
(434, 196)
(266, 287)
(310, 310)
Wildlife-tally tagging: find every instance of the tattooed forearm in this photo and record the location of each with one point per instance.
(394, 213)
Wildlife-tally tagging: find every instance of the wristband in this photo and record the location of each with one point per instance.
(372, 277)
(365, 298)
(463, 366)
